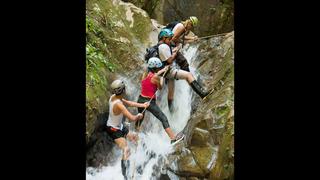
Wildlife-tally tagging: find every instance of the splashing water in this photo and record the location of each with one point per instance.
(147, 160)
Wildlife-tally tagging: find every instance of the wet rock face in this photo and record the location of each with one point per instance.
(187, 165)
(209, 132)
(117, 34)
(204, 156)
(200, 137)
(99, 143)
(216, 16)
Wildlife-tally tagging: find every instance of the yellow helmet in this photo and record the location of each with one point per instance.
(194, 20)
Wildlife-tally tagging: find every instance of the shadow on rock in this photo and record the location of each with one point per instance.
(99, 144)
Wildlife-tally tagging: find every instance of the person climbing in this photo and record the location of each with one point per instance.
(149, 85)
(167, 56)
(180, 32)
(182, 29)
(115, 128)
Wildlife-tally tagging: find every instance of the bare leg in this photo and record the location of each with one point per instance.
(170, 89)
(133, 137)
(122, 143)
(190, 78)
(180, 74)
(185, 75)
(170, 133)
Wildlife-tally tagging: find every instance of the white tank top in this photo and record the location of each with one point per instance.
(114, 121)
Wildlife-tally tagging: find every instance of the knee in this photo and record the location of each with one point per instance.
(165, 124)
(190, 77)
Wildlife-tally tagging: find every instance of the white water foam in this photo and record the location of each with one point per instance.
(154, 142)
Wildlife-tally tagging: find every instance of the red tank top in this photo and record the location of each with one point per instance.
(148, 89)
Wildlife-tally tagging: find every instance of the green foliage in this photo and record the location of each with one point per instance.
(95, 56)
(109, 50)
(90, 26)
(98, 65)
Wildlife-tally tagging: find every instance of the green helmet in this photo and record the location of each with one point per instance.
(165, 33)
(194, 20)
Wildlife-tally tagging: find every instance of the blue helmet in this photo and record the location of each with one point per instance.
(165, 33)
(154, 62)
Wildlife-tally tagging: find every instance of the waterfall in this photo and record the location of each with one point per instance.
(149, 157)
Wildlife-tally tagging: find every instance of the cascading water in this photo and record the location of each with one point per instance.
(149, 157)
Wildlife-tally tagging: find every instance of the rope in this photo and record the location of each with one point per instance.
(149, 102)
(215, 35)
(139, 129)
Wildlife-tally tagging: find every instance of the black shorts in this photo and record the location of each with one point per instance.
(117, 133)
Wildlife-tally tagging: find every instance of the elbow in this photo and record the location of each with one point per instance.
(131, 117)
(170, 60)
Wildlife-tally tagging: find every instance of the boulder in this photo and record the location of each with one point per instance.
(200, 137)
(204, 156)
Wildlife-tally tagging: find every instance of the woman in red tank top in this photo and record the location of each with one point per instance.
(149, 86)
(148, 89)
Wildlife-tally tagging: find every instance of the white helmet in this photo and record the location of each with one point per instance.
(117, 87)
(154, 62)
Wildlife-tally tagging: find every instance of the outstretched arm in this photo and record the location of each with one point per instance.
(135, 104)
(127, 114)
(170, 60)
(165, 54)
(157, 79)
(190, 38)
(163, 70)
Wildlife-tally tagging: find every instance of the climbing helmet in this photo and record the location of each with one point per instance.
(154, 62)
(165, 33)
(194, 20)
(117, 87)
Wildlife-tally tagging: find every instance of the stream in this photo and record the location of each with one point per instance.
(148, 159)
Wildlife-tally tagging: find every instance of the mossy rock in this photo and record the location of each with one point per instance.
(200, 137)
(215, 113)
(193, 178)
(202, 125)
(204, 156)
(223, 168)
(114, 49)
(187, 166)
